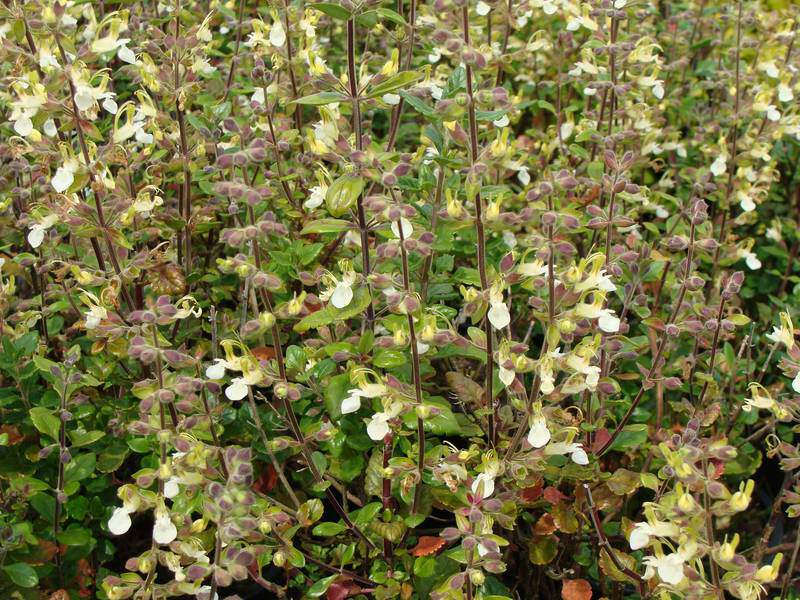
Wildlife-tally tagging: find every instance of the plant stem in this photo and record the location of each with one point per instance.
(603, 542)
(361, 214)
(481, 236)
(415, 370)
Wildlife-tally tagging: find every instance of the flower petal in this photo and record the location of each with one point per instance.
(237, 390)
(120, 521)
(342, 295)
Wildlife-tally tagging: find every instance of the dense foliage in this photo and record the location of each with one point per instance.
(419, 300)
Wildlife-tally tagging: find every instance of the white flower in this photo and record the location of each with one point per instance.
(435, 55)
(408, 228)
(342, 295)
(658, 89)
(164, 530)
(391, 99)
(747, 204)
(499, 316)
(539, 434)
(608, 321)
(237, 390)
(378, 427)
(277, 36)
(783, 334)
(575, 450)
(506, 375)
(171, 488)
(501, 122)
(523, 175)
(316, 198)
(65, 175)
(36, 235)
(567, 127)
(750, 259)
(772, 113)
(482, 9)
(487, 481)
(352, 402)
(640, 535)
(669, 568)
(37, 231)
(84, 98)
(547, 377)
(125, 54)
(642, 532)
(216, 370)
(120, 521)
(796, 383)
(785, 93)
(536, 268)
(110, 105)
(367, 390)
(94, 316)
(719, 166)
(50, 128)
(509, 239)
(579, 456)
(23, 126)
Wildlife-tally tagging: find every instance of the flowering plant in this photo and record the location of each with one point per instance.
(399, 300)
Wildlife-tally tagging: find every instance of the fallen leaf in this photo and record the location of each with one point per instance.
(532, 494)
(553, 495)
(427, 545)
(576, 589)
(545, 525)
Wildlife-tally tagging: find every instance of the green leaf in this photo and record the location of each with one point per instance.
(425, 566)
(22, 575)
(631, 437)
(80, 467)
(320, 99)
(45, 421)
(326, 226)
(84, 438)
(387, 358)
(363, 516)
(320, 587)
(337, 11)
(329, 314)
(388, 14)
(418, 104)
(393, 83)
(328, 529)
(75, 536)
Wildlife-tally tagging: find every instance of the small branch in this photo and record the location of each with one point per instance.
(603, 542)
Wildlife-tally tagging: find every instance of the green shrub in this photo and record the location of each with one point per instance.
(415, 300)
